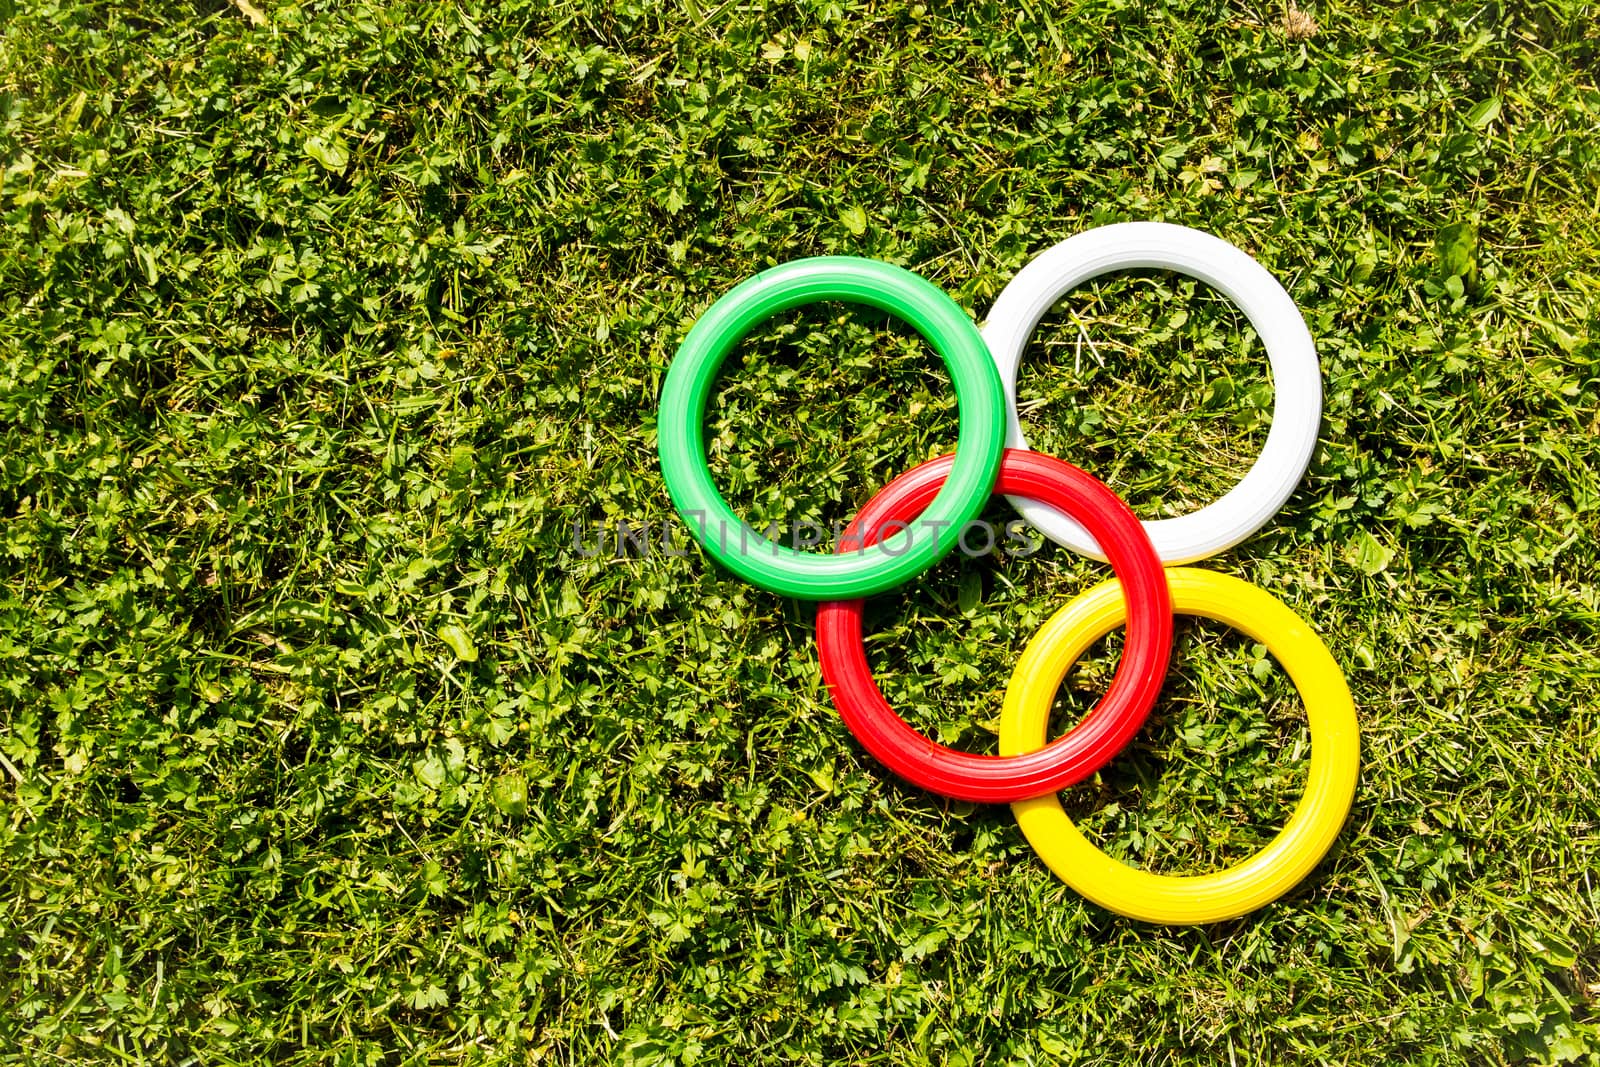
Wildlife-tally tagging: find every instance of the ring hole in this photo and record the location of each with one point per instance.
(818, 409)
(1217, 770)
(943, 648)
(1152, 381)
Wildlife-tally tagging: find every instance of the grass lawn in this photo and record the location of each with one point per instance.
(324, 325)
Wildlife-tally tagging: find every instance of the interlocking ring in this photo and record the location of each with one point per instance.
(1081, 751)
(1296, 379)
(1311, 830)
(681, 444)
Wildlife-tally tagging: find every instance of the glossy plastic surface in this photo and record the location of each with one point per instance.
(681, 444)
(1296, 378)
(1082, 750)
(1311, 830)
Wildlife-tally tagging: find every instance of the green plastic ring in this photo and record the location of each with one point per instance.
(680, 439)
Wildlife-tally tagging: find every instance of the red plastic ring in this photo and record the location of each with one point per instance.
(1082, 750)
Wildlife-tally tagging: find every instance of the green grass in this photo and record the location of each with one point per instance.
(321, 324)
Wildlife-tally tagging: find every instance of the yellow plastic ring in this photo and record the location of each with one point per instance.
(1316, 822)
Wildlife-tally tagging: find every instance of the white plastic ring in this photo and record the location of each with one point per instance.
(1296, 378)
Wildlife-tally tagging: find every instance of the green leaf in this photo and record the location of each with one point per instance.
(73, 112)
(460, 642)
(1218, 394)
(433, 996)
(430, 772)
(1457, 247)
(1370, 554)
(330, 152)
(1484, 112)
(854, 219)
(510, 794)
(970, 593)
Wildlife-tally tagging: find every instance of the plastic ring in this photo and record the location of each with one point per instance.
(1083, 750)
(1311, 830)
(681, 444)
(1296, 378)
